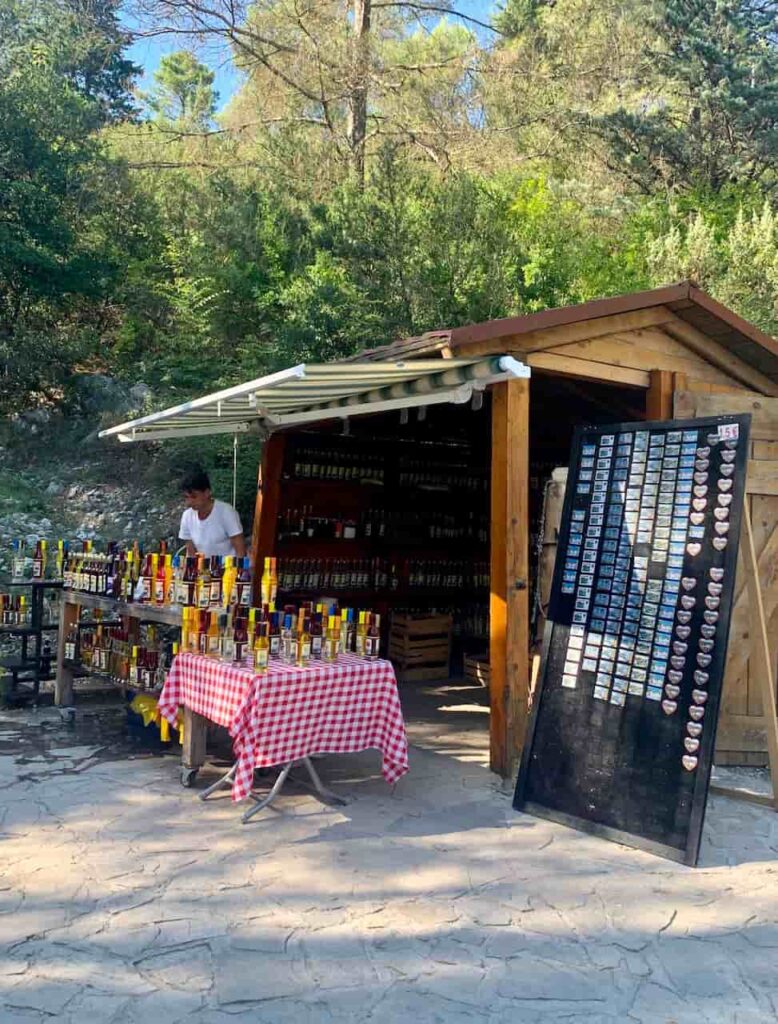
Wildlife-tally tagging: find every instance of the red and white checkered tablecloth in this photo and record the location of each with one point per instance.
(289, 713)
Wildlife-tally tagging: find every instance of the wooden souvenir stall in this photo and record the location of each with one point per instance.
(462, 485)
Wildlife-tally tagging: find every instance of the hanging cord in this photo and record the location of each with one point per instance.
(234, 470)
(537, 604)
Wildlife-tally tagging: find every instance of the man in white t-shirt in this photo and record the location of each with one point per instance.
(209, 526)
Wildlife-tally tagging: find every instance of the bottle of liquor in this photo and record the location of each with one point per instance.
(160, 582)
(262, 649)
(317, 635)
(71, 644)
(212, 641)
(244, 584)
(19, 563)
(332, 639)
(373, 638)
(59, 565)
(359, 645)
(37, 561)
(215, 593)
(287, 641)
(303, 644)
(226, 637)
(265, 582)
(275, 635)
(241, 640)
(273, 580)
(203, 583)
(202, 632)
(133, 670)
(229, 579)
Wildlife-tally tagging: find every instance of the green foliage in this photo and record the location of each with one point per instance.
(183, 94)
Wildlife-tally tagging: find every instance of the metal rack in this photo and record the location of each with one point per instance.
(26, 667)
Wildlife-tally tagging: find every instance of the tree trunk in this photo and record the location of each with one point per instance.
(357, 112)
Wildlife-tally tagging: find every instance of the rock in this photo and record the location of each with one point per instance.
(54, 487)
(32, 421)
(140, 394)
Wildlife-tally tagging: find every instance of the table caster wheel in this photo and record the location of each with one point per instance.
(188, 775)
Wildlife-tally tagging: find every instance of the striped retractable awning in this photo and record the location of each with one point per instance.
(311, 393)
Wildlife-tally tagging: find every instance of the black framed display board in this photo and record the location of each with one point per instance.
(623, 726)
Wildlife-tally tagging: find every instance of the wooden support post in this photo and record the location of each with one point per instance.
(263, 534)
(659, 397)
(509, 601)
(63, 682)
(195, 733)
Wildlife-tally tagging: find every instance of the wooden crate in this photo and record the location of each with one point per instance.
(420, 646)
(477, 669)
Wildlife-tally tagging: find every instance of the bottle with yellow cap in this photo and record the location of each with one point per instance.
(262, 648)
(332, 639)
(361, 635)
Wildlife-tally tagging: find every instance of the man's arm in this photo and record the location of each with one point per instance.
(239, 544)
(191, 550)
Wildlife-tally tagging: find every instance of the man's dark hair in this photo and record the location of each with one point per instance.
(195, 480)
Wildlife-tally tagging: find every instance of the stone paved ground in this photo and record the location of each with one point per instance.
(124, 899)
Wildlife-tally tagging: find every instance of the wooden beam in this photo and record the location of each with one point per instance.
(565, 334)
(764, 415)
(567, 366)
(659, 397)
(720, 356)
(509, 600)
(263, 533)
(762, 477)
(760, 648)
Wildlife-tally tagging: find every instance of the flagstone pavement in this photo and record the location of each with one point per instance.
(125, 899)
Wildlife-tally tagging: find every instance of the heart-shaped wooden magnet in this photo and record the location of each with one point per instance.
(703, 453)
(699, 504)
(688, 583)
(715, 588)
(691, 745)
(722, 529)
(711, 617)
(679, 647)
(677, 662)
(697, 518)
(675, 677)
(699, 696)
(730, 445)
(725, 500)
(700, 478)
(694, 729)
(701, 465)
(719, 543)
(672, 691)
(682, 632)
(701, 678)
(721, 514)
(712, 439)
(689, 762)
(696, 713)
(707, 631)
(683, 617)
(728, 456)
(688, 602)
(703, 660)
(717, 575)
(669, 707)
(726, 470)
(724, 485)
(700, 490)
(706, 646)
(712, 603)
(694, 548)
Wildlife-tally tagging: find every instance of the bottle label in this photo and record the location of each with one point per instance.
(228, 648)
(261, 658)
(330, 649)
(202, 644)
(182, 592)
(243, 593)
(159, 591)
(203, 596)
(133, 675)
(275, 646)
(240, 650)
(70, 651)
(213, 644)
(20, 565)
(37, 568)
(371, 646)
(316, 646)
(307, 651)
(216, 593)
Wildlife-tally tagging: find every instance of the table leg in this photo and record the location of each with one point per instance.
(225, 780)
(195, 729)
(320, 788)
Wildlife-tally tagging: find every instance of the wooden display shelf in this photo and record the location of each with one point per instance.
(169, 615)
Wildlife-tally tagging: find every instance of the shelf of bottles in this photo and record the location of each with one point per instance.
(408, 522)
(108, 651)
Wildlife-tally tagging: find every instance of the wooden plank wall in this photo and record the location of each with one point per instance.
(741, 736)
